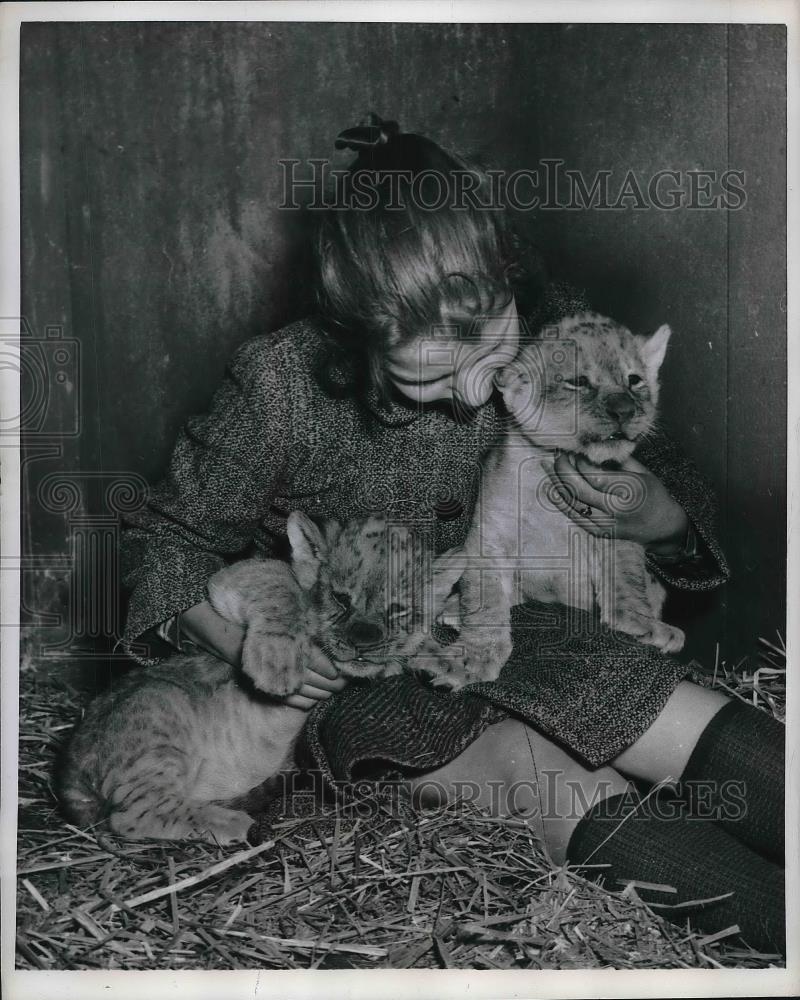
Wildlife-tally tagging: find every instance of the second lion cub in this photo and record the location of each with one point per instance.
(174, 749)
(592, 390)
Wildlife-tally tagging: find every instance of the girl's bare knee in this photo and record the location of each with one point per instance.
(514, 769)
(475, 775)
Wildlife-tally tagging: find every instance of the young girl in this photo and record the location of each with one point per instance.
(353, 411)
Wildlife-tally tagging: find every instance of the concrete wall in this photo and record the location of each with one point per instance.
(152, 239)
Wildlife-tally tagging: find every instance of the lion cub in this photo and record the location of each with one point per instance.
(168, 753)
(590, 390)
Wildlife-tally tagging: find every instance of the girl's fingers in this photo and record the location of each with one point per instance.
(320, 663)
(312, 691)
(569, 479)
(315, 688)
(632, 465)
(572, 478)
(299, 701)
(319, 683)
(574, 514)
(309, 694)
(625, 480)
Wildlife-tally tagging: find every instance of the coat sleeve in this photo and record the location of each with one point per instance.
(221, 479)
(687, 485)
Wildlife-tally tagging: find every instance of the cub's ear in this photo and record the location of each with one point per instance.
(654, 348)
(308, 548)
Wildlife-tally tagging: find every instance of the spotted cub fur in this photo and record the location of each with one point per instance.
(174, 750)
(589, 387)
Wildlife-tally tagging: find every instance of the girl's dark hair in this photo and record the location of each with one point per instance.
(416, 252)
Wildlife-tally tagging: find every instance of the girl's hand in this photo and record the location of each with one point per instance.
(210, 631)
(321, 679)
(630, 499)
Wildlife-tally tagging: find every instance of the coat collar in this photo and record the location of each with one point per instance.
(388, 409)
(392, 412)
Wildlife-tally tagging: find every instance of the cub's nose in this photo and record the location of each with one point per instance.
(620, 406)
(363, 634)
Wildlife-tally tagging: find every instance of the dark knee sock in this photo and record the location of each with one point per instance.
(736, 776)
(698, 858)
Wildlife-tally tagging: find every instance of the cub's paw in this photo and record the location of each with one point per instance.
(274, 663)
(226, 826)
(183, 822)
(443, 665)
(465, 661)
(651, 632)
(667, 638)
(485, 653)
(391, 668)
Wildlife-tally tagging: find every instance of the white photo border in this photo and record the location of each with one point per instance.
(372, 985)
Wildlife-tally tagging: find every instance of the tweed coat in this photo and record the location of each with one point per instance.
(283, 433)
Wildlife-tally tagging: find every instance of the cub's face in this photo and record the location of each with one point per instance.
(368, 583)
(592, 389)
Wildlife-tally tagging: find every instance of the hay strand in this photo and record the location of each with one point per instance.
(387, 888)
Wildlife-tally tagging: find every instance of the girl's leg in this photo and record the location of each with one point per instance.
(596, 818)
(663, 751)
(513, 770)
(686, 867)
(503, 758)
(729, 759)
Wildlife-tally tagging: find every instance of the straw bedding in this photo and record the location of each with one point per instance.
(369, 884)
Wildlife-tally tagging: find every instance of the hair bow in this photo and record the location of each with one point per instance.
(367, 136)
